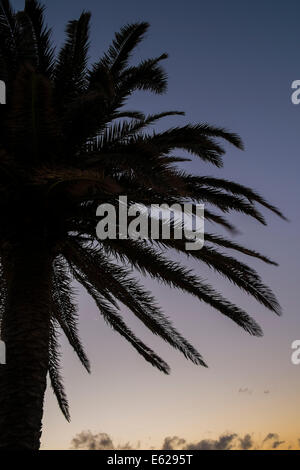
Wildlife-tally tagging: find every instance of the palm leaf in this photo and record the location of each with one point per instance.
(113, 319)
(116, 59)
(117, 280)
(41, 34)
(65, 311)
(70, 70)
(54, 373)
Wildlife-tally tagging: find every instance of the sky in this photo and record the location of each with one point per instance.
(230, 64)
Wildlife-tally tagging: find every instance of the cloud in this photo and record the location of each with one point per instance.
(227, 441)
(224, 442)
(277, 444)
(274, 437)
(248, 391)
(172, 442)
(270, 436)
(245, 391)
(89, 441)
(102, 441)
(246, 442)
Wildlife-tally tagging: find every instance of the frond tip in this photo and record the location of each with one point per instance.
(54, 373)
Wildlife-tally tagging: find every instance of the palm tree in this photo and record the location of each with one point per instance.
(68, 145)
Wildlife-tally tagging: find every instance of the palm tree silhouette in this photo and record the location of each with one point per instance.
(68, 145)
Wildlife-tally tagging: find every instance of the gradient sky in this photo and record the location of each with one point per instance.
(231, 64)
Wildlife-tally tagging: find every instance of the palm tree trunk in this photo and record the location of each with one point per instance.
(25, 330)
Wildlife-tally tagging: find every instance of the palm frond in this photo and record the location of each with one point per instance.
(195, 139)
(112, 278)
(32, 125)
(129, 114)
(7, 15)
(27, 48)
(147, 76)
(54, 373)
(41, 35)
(221, 241)
(116, 59)
(114, 319)
(64, 310)
(237, 272)
(123, 130)
(220, 220)
(152, 263)
(70, 70)
(233, 188)
(8, 42)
